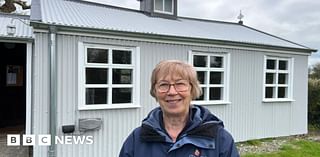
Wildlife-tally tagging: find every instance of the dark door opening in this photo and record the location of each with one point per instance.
(13, 85)
(13, 72)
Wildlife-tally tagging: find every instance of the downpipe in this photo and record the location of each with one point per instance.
(53, 89)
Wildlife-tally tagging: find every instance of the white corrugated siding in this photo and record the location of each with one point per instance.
(117, 123)
(299, 110)
(250, 117)
(40, 91)
(246, 117)
(23, 29)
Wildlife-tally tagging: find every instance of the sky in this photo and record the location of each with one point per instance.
(294, 20)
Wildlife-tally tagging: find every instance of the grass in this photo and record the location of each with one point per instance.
(295, 148)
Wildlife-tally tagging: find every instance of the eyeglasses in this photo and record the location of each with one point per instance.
(179, 86)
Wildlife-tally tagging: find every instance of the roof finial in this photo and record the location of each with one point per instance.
(240, 17)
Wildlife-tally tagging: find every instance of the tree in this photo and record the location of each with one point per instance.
(315, 71)
(314, 102)
(314, 95)
(9, 7)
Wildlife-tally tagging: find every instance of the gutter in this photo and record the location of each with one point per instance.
(17, 39)
(53, 89)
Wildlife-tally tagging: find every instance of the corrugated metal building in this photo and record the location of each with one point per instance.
(93, 62)
(16, 40)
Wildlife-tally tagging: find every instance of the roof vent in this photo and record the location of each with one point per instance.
(240, 17)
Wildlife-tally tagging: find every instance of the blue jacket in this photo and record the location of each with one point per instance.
(203, 136)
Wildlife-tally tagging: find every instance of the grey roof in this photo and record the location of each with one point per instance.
(97, 16)
(23, 29)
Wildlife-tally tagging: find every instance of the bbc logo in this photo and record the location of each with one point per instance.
(28, 140)
(45, 140)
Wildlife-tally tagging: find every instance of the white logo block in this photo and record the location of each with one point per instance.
(44, 140)
(28, 140)
(13, 139)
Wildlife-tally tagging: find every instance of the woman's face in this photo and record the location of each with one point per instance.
(174, 101)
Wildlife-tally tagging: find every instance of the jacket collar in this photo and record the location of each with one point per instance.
(201, 124)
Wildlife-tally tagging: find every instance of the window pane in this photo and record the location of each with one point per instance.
(122, 76)
(282, 92)
(283, 65)
(216, 78)
(200, 61)
(168, 5)
(269, 92)
(215, 93)
(201, 97)
(201, 76)
(97, 55)
(96, 76)
(158, 5)
(121, 95)
(282, 79)
(96, 96)
(271, 64)
(216, 62)
(270, 79)
(121, 57)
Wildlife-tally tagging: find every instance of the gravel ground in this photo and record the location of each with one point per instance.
(12, 151)
(274, 144)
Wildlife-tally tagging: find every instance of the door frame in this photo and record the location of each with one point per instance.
(29, 50)
(28, 129)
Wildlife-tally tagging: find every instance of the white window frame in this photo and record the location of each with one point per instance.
(289, 85)
(163, 7)
(226, 77)
(135, 66)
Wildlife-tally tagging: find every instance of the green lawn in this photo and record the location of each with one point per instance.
(295, 148)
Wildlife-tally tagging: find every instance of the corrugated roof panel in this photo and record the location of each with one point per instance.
(23, 29)
(90, 15)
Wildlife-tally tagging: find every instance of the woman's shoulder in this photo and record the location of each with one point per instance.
(135, 132)
(226, 144)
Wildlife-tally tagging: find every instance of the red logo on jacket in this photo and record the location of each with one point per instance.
(197, 153)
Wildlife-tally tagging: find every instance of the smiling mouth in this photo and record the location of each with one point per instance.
(173, 101)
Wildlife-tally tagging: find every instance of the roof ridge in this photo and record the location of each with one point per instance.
(139, 11)
(208, 20)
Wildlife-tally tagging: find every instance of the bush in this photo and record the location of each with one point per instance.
(314, 102)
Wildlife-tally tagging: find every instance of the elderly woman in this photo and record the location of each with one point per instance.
(177, 128)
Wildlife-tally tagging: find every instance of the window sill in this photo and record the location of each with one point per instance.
(162, 12)
(107, 107)
(208, 103)
(278, 100)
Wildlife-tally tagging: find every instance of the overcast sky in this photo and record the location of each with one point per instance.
(294, 20)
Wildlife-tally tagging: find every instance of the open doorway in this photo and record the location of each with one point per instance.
(13, 84)
(13, 59)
